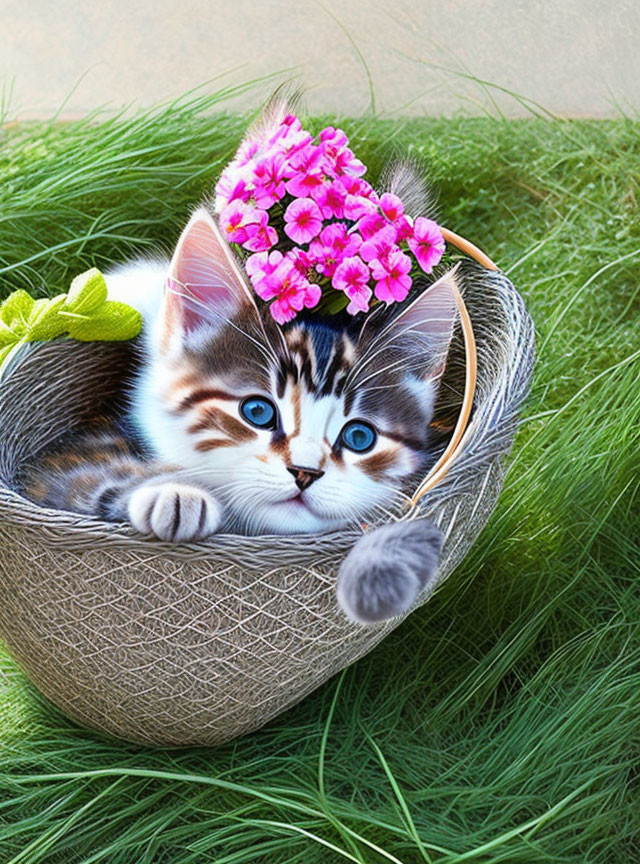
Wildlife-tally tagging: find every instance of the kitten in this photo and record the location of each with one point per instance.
(258, 429)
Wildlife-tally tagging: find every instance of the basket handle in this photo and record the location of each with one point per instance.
(455, 445)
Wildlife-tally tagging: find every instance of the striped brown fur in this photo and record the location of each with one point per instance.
(79, 473)
(378, 464)
(216, 418)
(213, 444)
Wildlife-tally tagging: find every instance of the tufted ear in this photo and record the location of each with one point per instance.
(405, 178)
(424, 329)
(205, 284)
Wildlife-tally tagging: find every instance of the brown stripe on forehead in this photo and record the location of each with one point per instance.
(281, 378)
(335, 366)
(204, 394)
(378, 464)
(307, 362)
(300, 362)
(339, 369)
(216, 418)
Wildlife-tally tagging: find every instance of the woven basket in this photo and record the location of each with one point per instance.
(197, 644)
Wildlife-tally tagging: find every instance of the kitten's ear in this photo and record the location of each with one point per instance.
(205, 284)
(424, 329)
(285, 99)
(406, 179)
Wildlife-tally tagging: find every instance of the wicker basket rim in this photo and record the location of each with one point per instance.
(439, 471)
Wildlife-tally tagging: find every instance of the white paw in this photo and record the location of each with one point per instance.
(174, 511)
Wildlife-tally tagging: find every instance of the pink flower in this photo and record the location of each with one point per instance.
(359, 297)
(333, 138)
(302, 261)
(260, 237)
(268, 176)
(427, 243)
(330, 199)
(390, 273)
(370, 224)
(287, 306)
(275, 275)
(333, 245)
(284, 280)
(312, 294)
(346, 163)
(292, 290)
(357, 186)
(247, 150)
(344, 233)
(305, 169)
(340, 160)
(351, 273)
(260, 267)
(352, 277)
(303, 220)
(307, 158)
(357, 206)
(289, 136)
(380, 244)
(391, 206)
(404, 227)
(352, 185)
(306, 185)
(230, 187)
(236, 216)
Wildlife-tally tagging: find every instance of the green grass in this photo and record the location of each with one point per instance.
(501, 722)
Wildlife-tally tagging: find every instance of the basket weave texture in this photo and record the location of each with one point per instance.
(200, 643)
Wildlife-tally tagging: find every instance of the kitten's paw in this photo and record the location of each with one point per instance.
(174, 511)
(386, 570)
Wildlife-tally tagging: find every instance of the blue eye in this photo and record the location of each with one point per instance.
(259, 412)
(358, 436)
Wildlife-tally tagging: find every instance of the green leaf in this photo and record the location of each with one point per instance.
(4, 351)
(8, 352)
(7, 336)
(113, 322)
(87, 293)
(45, 321)
(333, 303)
(15, 311)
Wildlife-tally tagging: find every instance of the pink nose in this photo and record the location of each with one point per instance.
(304, 477)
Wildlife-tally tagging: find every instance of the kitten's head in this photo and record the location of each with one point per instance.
(298, 429)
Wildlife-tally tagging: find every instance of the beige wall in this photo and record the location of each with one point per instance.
(577, 57)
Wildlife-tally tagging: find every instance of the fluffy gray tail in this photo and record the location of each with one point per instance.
(388, 569)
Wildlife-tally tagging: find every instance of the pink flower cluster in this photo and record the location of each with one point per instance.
(339, 233)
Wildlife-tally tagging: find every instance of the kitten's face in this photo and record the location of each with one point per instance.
(302, 430)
